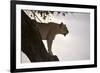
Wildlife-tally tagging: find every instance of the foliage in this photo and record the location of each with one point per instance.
(45, 14)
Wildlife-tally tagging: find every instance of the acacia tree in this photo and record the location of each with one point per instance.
(44, 14)
(31, 41)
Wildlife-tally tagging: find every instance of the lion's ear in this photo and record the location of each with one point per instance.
(61, 24)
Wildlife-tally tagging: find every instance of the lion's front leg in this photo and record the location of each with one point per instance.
(49, 44)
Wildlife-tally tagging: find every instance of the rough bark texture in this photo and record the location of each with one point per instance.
(31, 41)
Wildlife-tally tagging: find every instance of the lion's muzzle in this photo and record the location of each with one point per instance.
(66, 33)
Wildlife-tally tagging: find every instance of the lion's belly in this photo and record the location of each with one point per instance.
(44, 34)
(45, 30)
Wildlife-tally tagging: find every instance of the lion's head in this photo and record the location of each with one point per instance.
(63, 29)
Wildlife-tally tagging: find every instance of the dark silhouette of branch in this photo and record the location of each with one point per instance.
(44, 14)
(31, 41)
(36, 16)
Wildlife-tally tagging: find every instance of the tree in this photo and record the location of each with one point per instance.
(31, 41)
(44, 14)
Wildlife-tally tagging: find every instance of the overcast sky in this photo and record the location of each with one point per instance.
(75, 45)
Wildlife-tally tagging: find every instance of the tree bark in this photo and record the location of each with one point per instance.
(31, 41)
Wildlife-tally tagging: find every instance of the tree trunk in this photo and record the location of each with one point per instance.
(31, 41)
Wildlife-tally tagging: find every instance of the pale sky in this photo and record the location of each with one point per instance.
(75, 45)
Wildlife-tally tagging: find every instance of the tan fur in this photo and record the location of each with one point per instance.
(48, 32)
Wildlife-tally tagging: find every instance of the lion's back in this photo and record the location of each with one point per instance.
(46, 29)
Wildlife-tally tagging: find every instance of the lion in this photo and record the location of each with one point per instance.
(49, 30)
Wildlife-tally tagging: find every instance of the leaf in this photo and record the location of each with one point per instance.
(41, 14)
(44, 17)
(63, 14)
(31, 15)
(52, 12)
(47, 12)
(58, 12)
